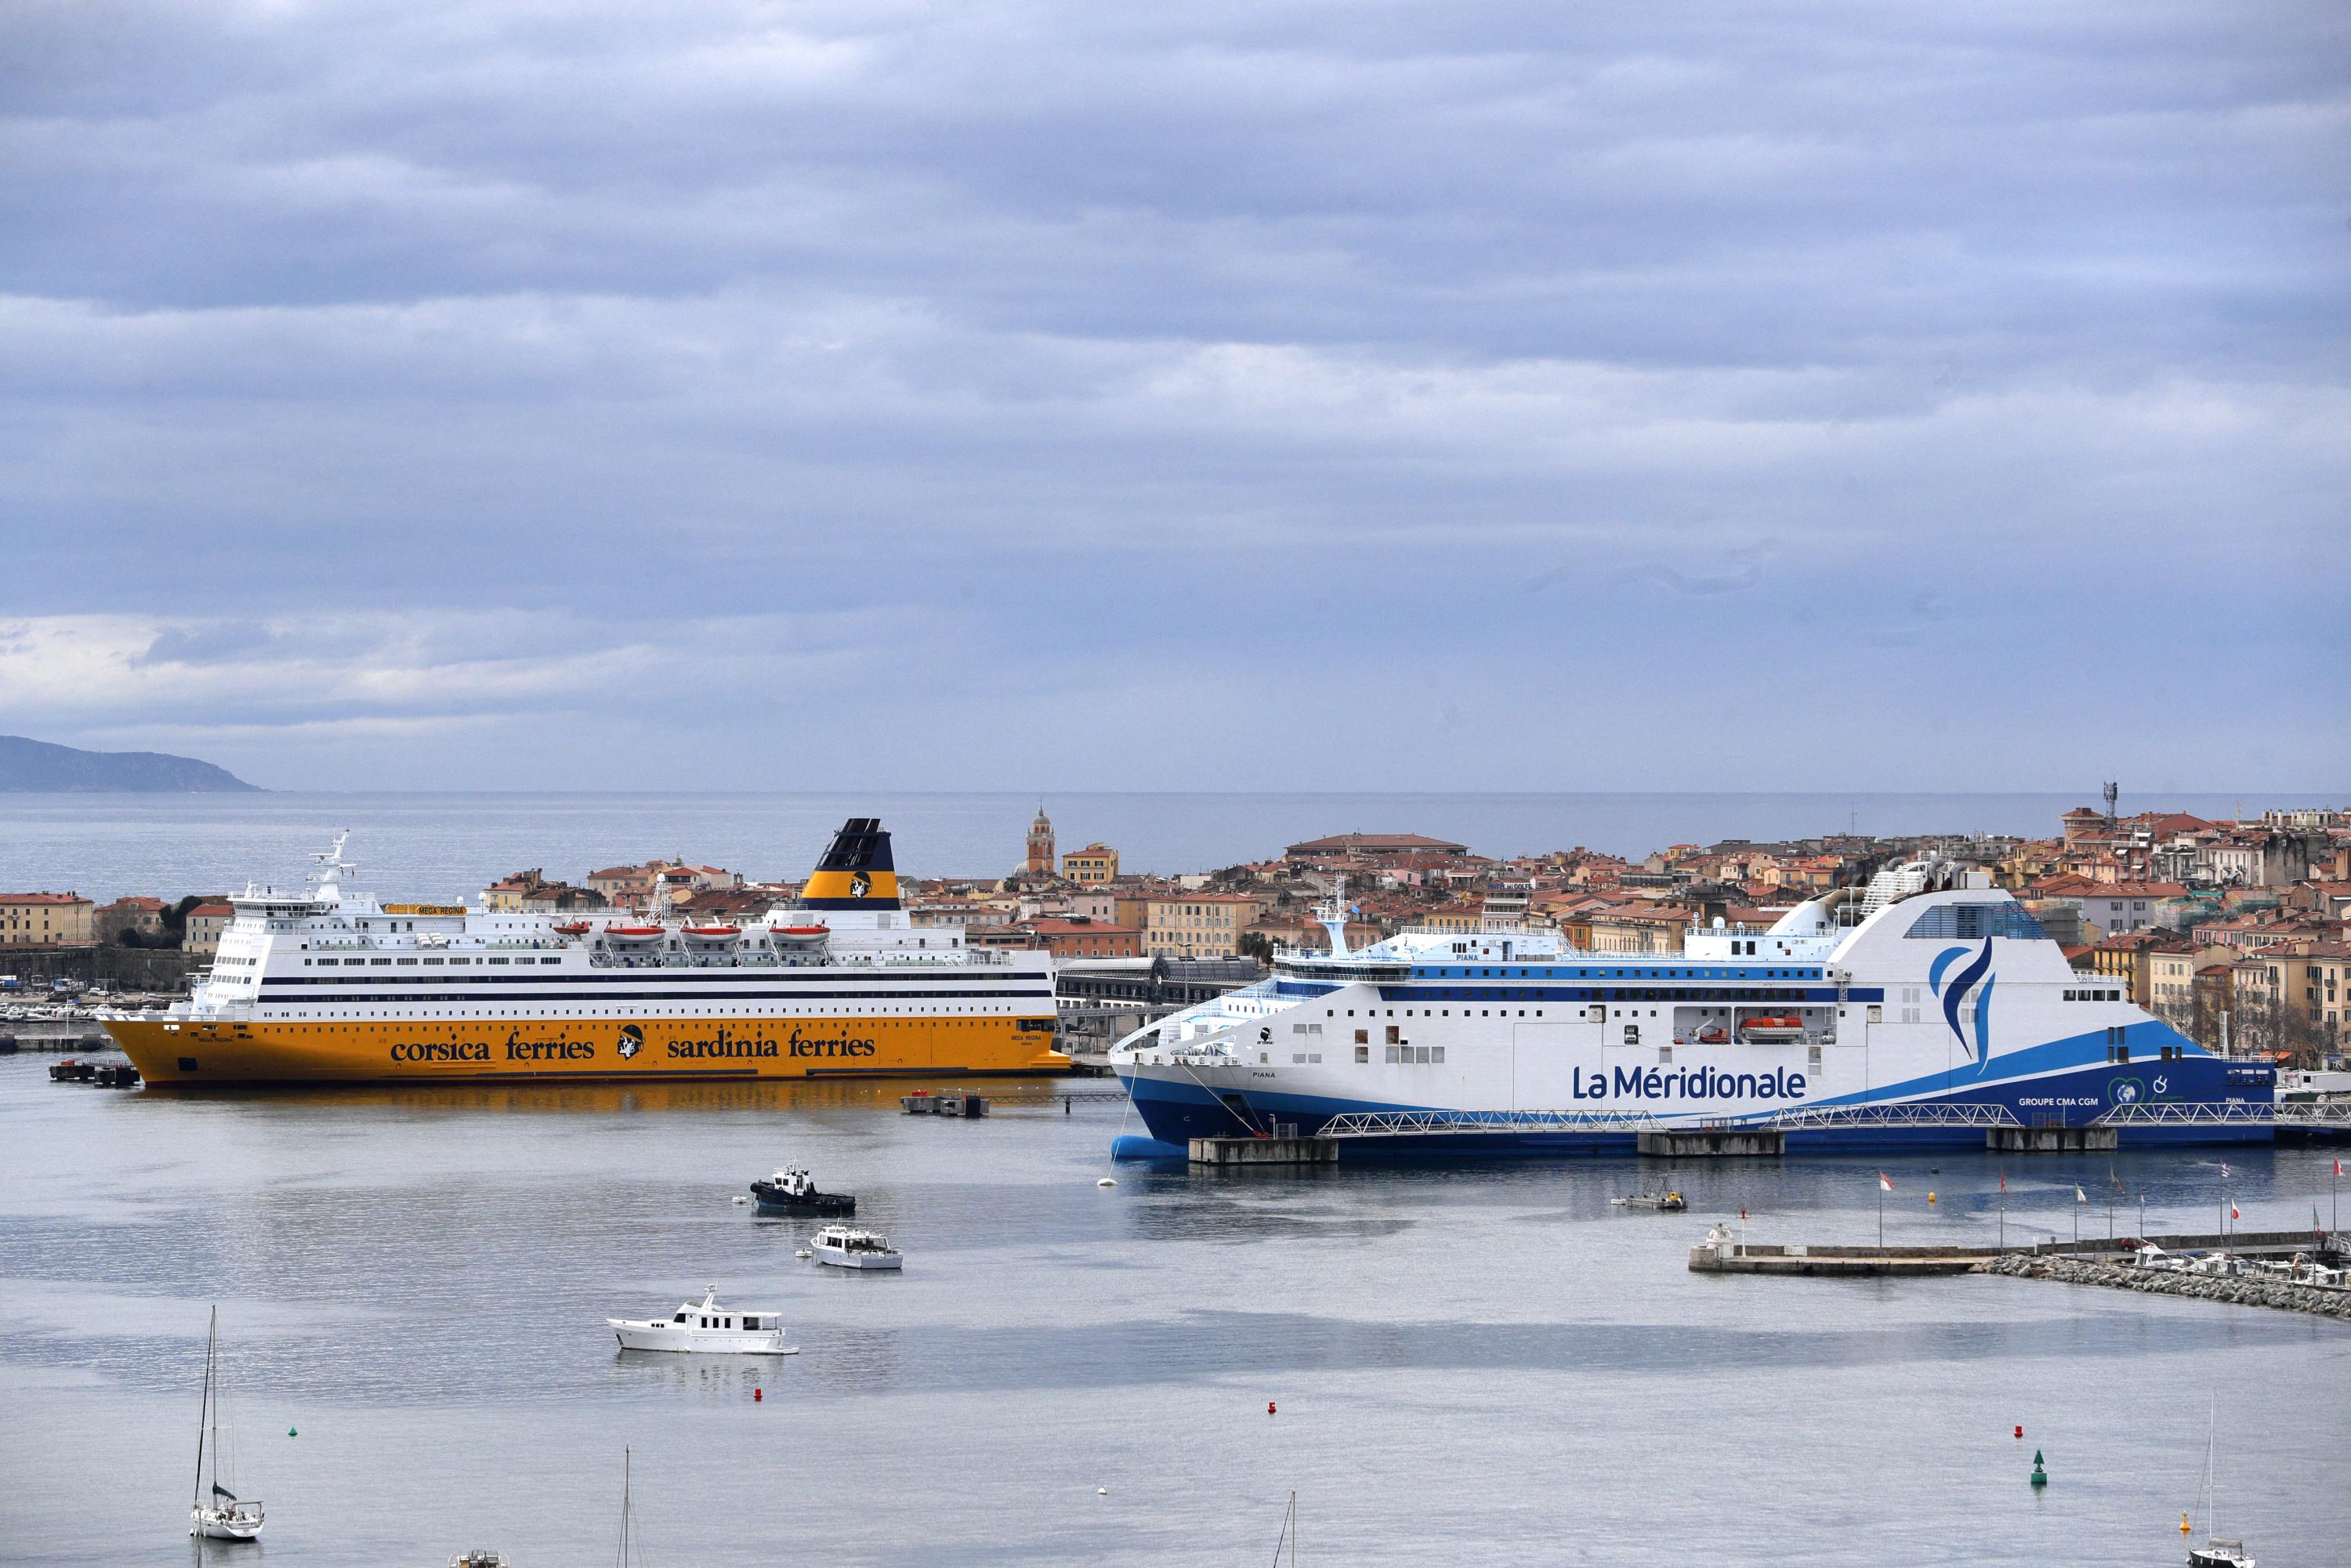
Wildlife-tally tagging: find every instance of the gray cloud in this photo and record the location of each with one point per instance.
(1014, 361)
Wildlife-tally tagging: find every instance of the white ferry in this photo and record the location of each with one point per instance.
(326, 984)
(1927, 988)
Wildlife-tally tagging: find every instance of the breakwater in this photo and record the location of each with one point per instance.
(2245, 1292)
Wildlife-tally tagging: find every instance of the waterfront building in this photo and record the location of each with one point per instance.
(45, 920)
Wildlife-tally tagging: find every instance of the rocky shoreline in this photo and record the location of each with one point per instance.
(2243, 1292)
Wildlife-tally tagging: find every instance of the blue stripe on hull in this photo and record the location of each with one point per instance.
(1178, 1111)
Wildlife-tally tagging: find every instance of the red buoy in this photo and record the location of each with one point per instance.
(2020, 1431)
(1268, 1406)
(758, 1394)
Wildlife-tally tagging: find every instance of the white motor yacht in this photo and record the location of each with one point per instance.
(706, 1328)
(845, 1247)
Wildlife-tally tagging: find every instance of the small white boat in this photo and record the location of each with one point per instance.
(706, 1328)
(218, 1514)
(1665, 1200)
(845, 1247)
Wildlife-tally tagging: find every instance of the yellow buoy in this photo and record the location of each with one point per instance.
(1930, 1200)
(2183, 1524)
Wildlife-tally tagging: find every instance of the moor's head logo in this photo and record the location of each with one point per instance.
(633, 1041)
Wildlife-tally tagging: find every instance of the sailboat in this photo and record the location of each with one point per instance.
(1288, 1536)
(217, 1513)
(2215, 1553)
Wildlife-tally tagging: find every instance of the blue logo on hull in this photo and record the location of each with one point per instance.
(1956, 995)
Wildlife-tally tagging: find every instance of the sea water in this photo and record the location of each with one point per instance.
(1469, 1364)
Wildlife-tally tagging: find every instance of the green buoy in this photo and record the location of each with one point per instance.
(2040, 1476)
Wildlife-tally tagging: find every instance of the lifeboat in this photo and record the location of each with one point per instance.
(798, 935)
(713, 932)
(1714, 1034)
(1767, 1030)
(572, 928)
(635, 933)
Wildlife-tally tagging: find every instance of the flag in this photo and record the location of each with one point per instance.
(2004, 1181)
(2079, 1195)
(2339, 1166)
(2233, 1214)
(2224, 1170)
(1883, 1185)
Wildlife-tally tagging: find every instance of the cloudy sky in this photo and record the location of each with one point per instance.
(448, 394)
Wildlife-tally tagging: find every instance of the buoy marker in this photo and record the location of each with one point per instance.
(1107, 1181)
(758, 1394)
(2040, 1476)
(1268, 1406)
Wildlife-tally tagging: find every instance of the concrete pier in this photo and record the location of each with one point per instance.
(1265, 1151)
(1850, 1262)
(1713, 1142)
(2051, 1139)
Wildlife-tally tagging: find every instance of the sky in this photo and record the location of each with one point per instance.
(457, 395)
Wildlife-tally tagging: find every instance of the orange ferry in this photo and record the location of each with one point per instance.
(330, 986)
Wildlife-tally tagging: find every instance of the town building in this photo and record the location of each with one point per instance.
(206, 924)
(1364, 848)
(1198, 925)
(1082, 938)
(45, 920)
(1095, 865)
(133, 916)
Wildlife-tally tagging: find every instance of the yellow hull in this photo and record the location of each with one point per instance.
(619, 1049)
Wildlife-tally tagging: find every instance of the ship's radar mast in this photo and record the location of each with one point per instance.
(1332, 917)
(326, 881)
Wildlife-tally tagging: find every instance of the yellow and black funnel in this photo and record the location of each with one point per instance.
(856, 873)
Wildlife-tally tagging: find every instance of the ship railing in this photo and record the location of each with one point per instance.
(1440, 1124)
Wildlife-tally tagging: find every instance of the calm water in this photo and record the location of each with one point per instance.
(1486, 1364)
(439, 846)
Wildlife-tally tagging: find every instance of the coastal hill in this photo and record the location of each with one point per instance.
(36, 765)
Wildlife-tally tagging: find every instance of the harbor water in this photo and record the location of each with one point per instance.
(1475, 1364)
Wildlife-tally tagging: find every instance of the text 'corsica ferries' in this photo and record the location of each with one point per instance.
(330, 986)
(1929, 990)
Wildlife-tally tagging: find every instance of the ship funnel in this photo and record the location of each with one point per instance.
(856, 873)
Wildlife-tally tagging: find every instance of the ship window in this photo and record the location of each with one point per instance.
(679, 1319)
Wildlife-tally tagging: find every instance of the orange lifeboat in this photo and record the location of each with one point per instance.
(635, 933)
(714, 933)
(1769, 1028)
(798, 935)
(572, 928)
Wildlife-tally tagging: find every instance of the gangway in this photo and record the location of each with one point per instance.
(1434, 1124)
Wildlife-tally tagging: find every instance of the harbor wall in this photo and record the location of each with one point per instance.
(2249, 1292)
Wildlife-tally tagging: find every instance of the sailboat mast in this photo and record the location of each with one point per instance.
(204, 1412)
(625, 1462)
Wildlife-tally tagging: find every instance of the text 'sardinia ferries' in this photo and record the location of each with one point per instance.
(1929, 987)
(329, 985)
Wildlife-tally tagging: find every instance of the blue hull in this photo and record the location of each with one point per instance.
(1177, 1112)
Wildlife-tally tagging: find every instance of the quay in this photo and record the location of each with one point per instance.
(1723, 1253)
(1274, 1151)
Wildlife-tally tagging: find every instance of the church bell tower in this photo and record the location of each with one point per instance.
(1040, 845)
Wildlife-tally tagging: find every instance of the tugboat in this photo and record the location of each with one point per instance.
(706, 1328)
(793, 1191)
(846, 1249)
